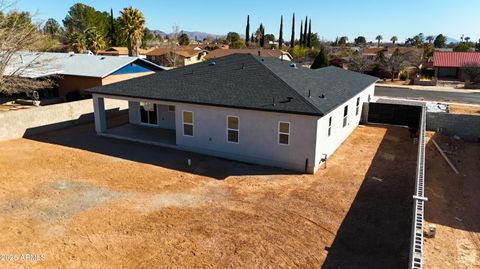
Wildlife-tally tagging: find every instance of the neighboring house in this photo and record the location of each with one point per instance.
(448, 64)
(182, 56)
(242, 107)
(76, 72)
(259, 52)
(122, 52)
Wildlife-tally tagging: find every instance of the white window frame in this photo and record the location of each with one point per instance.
(357, 110)
(231, 129)
(329, 126)
(278, 133)
(183, 123)
(345, 116)
(148, 114)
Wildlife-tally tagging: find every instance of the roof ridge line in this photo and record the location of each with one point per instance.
(291, 88)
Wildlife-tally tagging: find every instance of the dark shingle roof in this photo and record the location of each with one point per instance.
(250, 82)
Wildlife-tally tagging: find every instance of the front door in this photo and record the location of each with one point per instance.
(148, 113)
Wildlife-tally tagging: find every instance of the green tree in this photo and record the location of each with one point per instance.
(95, 41)
(305, 32)
(133, 24)
(321, 60)
(462, 47)
(81, 18)
(52, 28)
(343, 41)
(440, 41)
(292, 38)
(314, 41)
(147, 37)
(301, 34)
(183, 40)
(379, 38)
(394, 39)
(309, 35)
(280, 34)
(360, 41)
(238, 44)
(430, 39)
(233, 37)
(77, 42)
(247, 31)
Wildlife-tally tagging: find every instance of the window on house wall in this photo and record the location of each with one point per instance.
(171, 108)
(232, 129)
(358, 106)
(284, 133)
(329, 126)
(345, 116)
(148, 113)
(187, 123)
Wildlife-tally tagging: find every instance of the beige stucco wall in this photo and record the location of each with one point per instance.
(116, 78)
(68, 83)
(15, 124)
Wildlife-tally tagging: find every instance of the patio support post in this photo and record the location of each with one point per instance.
(99, 114)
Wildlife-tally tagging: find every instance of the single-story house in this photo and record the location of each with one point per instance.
(242, 107)
(76, 72)
(122, 52)
(448, 65)
(182, 56)
(259, 52)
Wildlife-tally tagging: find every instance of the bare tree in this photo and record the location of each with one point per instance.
(17, 35)
(360, 63)
(172, 56)
(471, 71)
(395, 63)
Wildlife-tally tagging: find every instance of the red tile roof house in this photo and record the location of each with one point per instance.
(448, 64)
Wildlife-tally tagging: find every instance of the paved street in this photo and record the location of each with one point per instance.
(472, 98)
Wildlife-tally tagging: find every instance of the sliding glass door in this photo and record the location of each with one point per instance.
(148, 113)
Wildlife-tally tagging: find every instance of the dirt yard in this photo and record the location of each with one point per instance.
(464, 109)
(71, 199)
(454, 204)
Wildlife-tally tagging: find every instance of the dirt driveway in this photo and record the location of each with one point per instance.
(81, 201)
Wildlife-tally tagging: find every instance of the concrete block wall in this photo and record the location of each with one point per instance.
(18, 123)
(467, 127)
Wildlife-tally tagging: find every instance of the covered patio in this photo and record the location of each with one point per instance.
(143, 134)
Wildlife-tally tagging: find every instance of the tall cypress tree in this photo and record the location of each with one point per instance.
(262, 35)
(292, 39)
(247, 32)
(305, 32)
(301, 34)
(111, 33)
(280, 36)
(309, 37)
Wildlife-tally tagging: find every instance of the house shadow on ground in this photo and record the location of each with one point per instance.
(376, 230)
(84, 137)
(454, 200)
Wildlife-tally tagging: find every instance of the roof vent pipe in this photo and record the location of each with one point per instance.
(243, 66)
(309, 94)
(273, 101)
(322, 96)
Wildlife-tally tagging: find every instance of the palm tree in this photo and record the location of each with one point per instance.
(77, 42)
(133, 24)
(394, 39)
(379, 38)
(430, 39)
(467, 39)
(95, 41)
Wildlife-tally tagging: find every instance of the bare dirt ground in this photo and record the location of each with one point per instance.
(454, 204)
(83, 201)
(464, 109)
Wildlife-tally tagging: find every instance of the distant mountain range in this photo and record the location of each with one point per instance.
(191, 34)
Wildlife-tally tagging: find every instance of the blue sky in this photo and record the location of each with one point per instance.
(352, 18)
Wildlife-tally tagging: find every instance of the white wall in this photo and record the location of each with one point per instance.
(328, 145)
